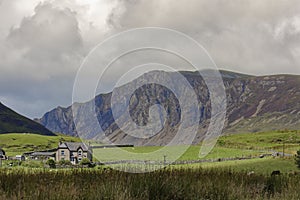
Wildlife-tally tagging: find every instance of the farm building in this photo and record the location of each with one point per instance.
(19, 158)
(73, 151)
(43, 155)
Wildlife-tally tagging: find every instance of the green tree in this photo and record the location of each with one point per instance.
(51, 163)
(87, 162)
(298, 159)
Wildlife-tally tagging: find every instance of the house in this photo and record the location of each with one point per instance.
(2, 154)
(73, 151)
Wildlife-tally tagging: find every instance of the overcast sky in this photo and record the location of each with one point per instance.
(43, 42)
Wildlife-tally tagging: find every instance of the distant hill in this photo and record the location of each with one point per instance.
(12, 122)
(254, 104)
(17, 144)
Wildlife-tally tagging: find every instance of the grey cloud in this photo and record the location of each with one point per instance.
(240, 35)
(41, 53)
(39, 60)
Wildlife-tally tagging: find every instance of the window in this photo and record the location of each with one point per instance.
(79, 153)
(62, 152)
(79, 159)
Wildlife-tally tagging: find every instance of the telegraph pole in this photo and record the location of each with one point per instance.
(283, 148)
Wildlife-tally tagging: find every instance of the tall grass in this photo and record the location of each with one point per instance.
(163, 184)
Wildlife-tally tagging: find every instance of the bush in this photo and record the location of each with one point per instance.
(87, 162)
(51, 163)
(64, 162)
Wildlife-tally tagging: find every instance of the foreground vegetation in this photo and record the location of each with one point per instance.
(163, 184)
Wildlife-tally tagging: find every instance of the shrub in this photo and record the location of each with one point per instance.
(65, 162)
(87, 162)
(51, 163)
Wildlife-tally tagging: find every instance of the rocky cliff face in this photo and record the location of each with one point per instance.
(253, 104)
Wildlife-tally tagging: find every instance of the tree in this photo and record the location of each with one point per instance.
(51, 163)
(298, 159)
(87, 162)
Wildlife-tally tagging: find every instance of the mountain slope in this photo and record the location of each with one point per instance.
(12, 122)
(254, 103)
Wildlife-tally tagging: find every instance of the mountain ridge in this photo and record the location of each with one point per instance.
(12, 122)
(254, 103)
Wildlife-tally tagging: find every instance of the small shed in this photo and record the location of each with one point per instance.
(20, 157)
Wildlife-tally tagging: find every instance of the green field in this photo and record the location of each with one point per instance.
(192, 153)
(16, 144)
(228, 146)
(274, 140)
(258, 165)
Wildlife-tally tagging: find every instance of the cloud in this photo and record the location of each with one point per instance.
(259, 37)
(39, 59)
(42, 42)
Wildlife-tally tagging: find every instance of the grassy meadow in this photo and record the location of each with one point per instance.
(16, 144)
(228, 146)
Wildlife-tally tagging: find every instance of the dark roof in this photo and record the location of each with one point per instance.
(74, 146)
(2, 150)
(43, 154)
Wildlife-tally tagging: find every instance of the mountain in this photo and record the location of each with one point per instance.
(254, 103)
(12, 122)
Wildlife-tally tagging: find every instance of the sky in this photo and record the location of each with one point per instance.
(44, 42)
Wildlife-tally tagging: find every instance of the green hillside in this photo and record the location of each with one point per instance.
(289, 141)
(12, 122)
(15, 144)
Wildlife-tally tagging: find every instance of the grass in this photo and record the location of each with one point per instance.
(16, 144)
(263, 140)
(228, 146)
(192, 153)
(258, 165)
(175, 184)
